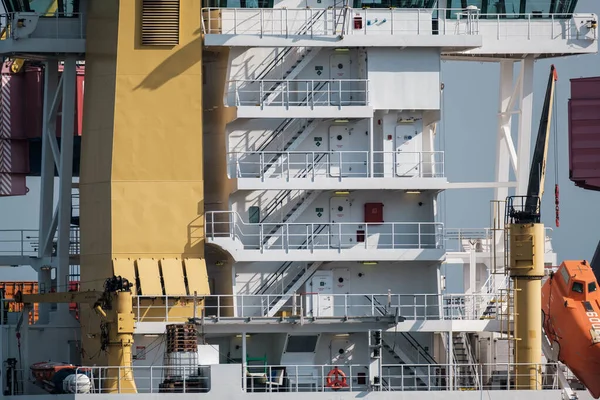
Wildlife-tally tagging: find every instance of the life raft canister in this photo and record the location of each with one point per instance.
(336, 379)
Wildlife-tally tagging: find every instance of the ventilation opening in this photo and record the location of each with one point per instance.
(160, 22)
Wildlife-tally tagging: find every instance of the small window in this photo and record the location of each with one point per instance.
(302, 344)
(565, 275)
(578, 287)
(591, 287)
(254, 215)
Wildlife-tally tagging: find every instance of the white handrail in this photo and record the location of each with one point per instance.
(337, 164)
(298, 92)
(392, 21)
(411, 306)
(327, 235)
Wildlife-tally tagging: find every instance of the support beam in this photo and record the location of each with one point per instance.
(69, 79)
(371, 149)
(450, 361)
(525, 120)
(504, 128)
(46, 233)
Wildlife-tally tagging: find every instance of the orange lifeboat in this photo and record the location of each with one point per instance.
(571, 320)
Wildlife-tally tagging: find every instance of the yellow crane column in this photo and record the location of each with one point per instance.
(527, 271)
(120, 342)
(141, 182)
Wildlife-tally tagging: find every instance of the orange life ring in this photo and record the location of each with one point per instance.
(339, 381)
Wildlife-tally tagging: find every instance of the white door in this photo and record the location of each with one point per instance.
(322, 294)
(341, 283)
(339, 69)
(407, 150)
(339, 141)
(342, 351)
(342, 232)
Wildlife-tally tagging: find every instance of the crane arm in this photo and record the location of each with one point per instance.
(529, 210)
(537, 173)
(93, 298)
(89, 297)
(96, 299)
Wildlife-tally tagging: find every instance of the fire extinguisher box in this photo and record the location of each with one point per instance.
(374, 213)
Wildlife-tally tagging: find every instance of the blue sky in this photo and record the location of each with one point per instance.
(470, 115)
(469, 131)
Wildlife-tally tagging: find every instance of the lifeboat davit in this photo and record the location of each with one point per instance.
(571, 320)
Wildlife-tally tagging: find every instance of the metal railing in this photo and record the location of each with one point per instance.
(286, 22)
(480, 238)
(298, 92)
(47, 26)
(306, 378)
(422, 307)
(336, 164)
(303, 378)
(320, 236)
(25, 242)
(148, 379)
(523, 26)
(497, 376)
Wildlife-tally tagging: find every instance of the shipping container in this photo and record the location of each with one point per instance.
(21, 124)
(584, 133)
(27, 117)
(9, 289)
(14, 146)
(78, 124)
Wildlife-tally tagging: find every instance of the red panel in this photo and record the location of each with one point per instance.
(374, 213)
(28, 104)
(584, 133)
(79, 109)
(33, 101)
(585, 88)
(74, 287)
(78, 127)
(12, 184)
(19, 156)
(14, 147)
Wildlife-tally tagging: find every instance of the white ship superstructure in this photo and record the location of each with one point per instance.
(324, 239)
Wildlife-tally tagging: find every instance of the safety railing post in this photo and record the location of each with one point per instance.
(235, 23)
(261, 22)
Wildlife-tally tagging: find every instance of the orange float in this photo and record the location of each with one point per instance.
(336, 379)
(571, 320)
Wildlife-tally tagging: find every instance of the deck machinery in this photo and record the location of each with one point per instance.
(526, 237)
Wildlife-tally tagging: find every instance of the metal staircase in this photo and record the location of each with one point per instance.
(287, 280)
(422, 377)
(297, 58)
(304, 129)
(421, 374)
(493, 304)
(303, 56)
(299, 277)
(292, 214)
(466, 373)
